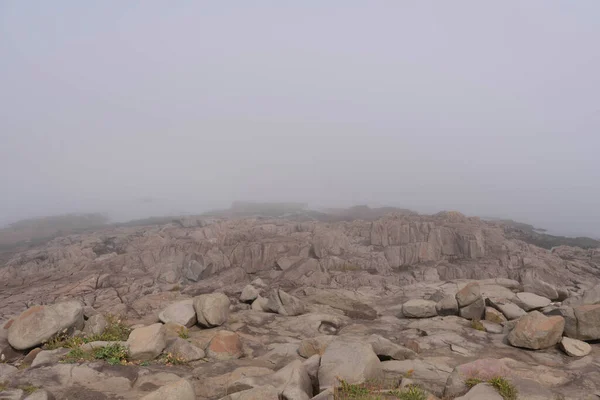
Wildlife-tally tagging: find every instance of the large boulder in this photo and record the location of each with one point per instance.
(298, 385)
(225, 345)
(588, 321)
(536, 331)
(468, 294)
(474, 311)
(570, 320)
(447, 306)
(482, 368)
(418, 308)
(146, 343)
(179, 390)
(182, 313)
(493, 315)
(591, 296)
(184, 350)
(316, 345)
(537, 286)
(285, 304)
(574, 347)
(40, 323)
(350, 360)
(212, 309)
(530, 301)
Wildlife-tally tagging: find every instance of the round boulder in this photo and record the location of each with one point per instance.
(212, 309)
(417, 308)
(536, 331)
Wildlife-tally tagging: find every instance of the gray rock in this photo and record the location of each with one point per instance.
(5, 370)
(49, 357)
(536, 331)
(475, 310)
(282, 303)
(286, 262)
(185, 350)
(510, 310)
(386, 349)
(95, 325)
(225, 345)
(570, 321)
(40, 323)
(182, 313)
(352, 361)
(574, 347)
(493, 315)
(431, 375)
(212, 309)
(537, 286)
(530, 301)
(146, 343)
(482, 391)
(468, 294)
(447, 306)
(12, 394)
(260, 304)
(588, 322)
(40, 394)
(311, 365)
(315, 345)
(266, 392)
(455, 384)
(591, 296)
(492, 327)
(249, 294)
(180, 390)
(418, 308)
(298, 385)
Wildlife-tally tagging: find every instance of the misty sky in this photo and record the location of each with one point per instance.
(490, 108)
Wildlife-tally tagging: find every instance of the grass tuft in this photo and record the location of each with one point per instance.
(183, 332)
(376, 391)
(113, 354)
(477, 324)
(504, 388)
(173, 359)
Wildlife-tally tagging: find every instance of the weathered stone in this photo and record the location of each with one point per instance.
(418, 308)
(492, 327)
(212, 309)
(574, 347)
(40, 394)
(249, 294)
(95, 325)
(182, 313)
(5, 370)
(39, 323)
(298, 385)
(386, 349)
(282, 303)
(570, 321)
(184, 350)
(180, 390)
(588, 322)
(493, 315)
(536, 331)
(431, 375)
(530, 301)
(12, 394)
(146, 343)
(447, 306)
(484, 368)
(510, 310)
(225, 345)
(48, 357)
(100, 344)
(315, 345)
(468, 294)
(266, 392)
(482, 391)
(260, 304)
(352, 361)
(475, 310)
(591, 296)
(537, 286)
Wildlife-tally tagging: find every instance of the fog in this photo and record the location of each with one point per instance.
(144, 108)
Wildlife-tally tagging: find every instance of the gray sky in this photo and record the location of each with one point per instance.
(490, 108)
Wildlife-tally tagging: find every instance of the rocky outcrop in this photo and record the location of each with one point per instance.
(352, 361)
(282, 303)
(225, 345)
(182, 313)
(146, 343)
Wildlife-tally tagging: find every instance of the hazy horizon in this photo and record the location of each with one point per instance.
(491, 109)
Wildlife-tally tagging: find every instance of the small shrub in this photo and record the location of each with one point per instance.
(63, 340)
(477, 324)
(184, 333)
(28, 389)
(115, 331)
(412, 392)
(3, 386)
(473, 382)
(173, 359)
(175, 288)
(113, 353)
(504, 388)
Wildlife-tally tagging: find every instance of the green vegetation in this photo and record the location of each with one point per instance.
(376, 391)
(477, 324)
(501, 384)
(113, 354)
(115, 331)
(184, 333)
(173, 359)
(28, 389)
